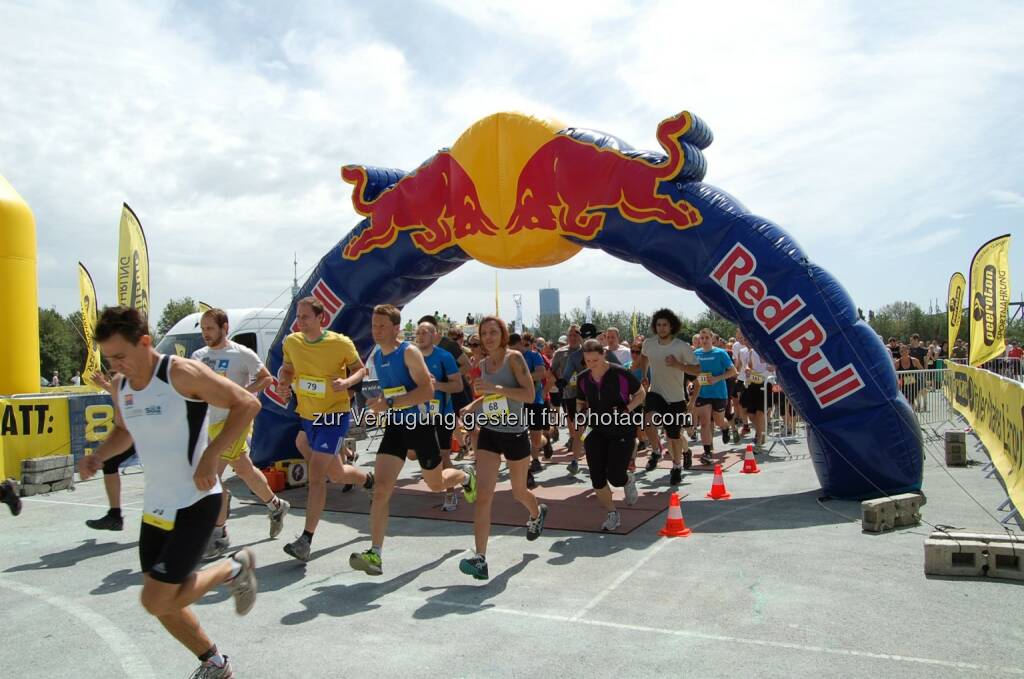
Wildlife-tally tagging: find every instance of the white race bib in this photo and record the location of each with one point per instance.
(704, 377)
(495, 405)
(433, 407)
(756, 378)
(313, 387)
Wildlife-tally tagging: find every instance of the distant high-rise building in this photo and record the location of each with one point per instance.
(549, 303)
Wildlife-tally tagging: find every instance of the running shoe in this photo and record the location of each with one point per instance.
(9, 496)
(450, 502)
(208, 670)
(706, 458)
(734, 434)
(548, 451)
(476, 566)
(369, 562)
(277, 517)
(299, 549)
(243, 586)
(107, 522)
(218, 544)
(573, 468)
(534, 527)
(652, 462)
(725, 434)
(531, 482)
(632, 494)
(536, 466)
(675, 477)
(469, 487)
(687, 460)
(611, 522)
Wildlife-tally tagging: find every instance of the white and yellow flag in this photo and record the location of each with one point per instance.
(88, 294)
(990, 299)
(955, 306)
(132, 264)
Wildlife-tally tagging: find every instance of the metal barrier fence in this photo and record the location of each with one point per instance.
(783, 424)
(926, 392)
(1012, 368)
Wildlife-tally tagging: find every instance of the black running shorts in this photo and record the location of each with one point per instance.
(171, 556)
(513, 446)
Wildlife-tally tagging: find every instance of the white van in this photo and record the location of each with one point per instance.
(253, 328)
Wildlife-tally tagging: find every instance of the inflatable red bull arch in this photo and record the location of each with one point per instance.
(515, 192)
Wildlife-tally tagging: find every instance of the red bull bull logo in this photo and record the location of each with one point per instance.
(438, 203)
(569, 184)
(547, 185)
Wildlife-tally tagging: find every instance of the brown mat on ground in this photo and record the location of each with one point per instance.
(571, 507)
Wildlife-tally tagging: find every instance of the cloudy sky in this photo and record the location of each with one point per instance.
(885, 136)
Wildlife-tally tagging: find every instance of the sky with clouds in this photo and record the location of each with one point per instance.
(883, 135)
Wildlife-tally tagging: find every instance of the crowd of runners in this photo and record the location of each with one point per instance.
(499, 397)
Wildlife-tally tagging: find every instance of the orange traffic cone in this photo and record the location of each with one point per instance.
(749, 463)
(718, 491)
(675, 526)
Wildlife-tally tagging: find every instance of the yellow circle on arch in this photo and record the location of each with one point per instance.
(493, 152)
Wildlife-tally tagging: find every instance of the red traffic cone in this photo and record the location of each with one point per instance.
(749, 463)
(718, 491)
(675, 526)
(456, 446)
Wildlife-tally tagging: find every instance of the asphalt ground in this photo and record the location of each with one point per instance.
(773, 583)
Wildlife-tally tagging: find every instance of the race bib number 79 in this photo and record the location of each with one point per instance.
(315, 387)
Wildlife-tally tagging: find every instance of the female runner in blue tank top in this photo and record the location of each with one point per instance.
(505, 384)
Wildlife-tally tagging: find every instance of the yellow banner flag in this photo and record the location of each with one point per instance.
(88, 293)
(132, 264)
(993, 405)
(955, 307)
(990, 299)
(632, 326)
(204, 307)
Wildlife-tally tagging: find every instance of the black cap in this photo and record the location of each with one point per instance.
(588, 331)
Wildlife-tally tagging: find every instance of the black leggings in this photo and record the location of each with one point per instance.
(111, 466)
(608, 457)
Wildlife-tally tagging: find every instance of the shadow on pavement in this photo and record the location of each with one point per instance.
(343, 600)
(89, 549)
(468, 599)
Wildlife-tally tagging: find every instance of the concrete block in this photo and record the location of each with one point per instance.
(956, 437)
(975, 555)
(47, 476)
(62, 484)
(908, 508)
(45, 464)
(956, 456)
(878, 515)
(29, 489)
(1006, 561)
(958, 558)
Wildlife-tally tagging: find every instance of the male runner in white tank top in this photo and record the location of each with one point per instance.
(160, 406)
